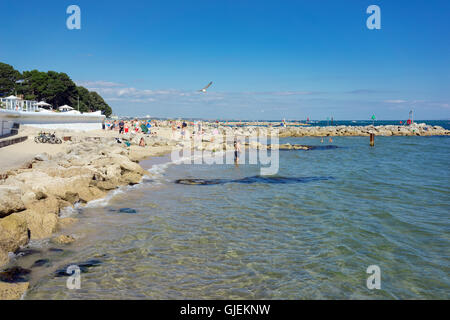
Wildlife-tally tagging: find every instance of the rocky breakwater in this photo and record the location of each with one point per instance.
(32, 197)
(416, 129)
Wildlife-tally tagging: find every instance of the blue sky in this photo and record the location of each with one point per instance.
(267, 59)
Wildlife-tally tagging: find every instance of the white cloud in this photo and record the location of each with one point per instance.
(99, 83)
(395, 101)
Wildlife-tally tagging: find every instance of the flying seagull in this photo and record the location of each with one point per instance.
(204, 89)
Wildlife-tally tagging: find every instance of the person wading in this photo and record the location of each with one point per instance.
(237, 150)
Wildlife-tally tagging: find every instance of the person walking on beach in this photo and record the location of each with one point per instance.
(103, 124)
(121, 126)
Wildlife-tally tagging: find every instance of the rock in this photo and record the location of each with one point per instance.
(127, 164)
(286, 146)
(41, 217)
(13, 235)
(128, 210)
(131, 178)
(113, 171)
(4, 258)
(63, 239)
(105, 185)
(10, 200)
(28, 198)
(40, 263)
(26, 252)
(84, 267)
(15, 274)
(41, 157)
(71, 197)
(65, 222)
(12, 291)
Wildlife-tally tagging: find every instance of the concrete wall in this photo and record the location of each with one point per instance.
(56, 120)
(5, 127)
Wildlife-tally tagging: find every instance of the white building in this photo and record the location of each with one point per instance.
(18, 104)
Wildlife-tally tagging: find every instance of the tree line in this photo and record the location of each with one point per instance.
(52, 87)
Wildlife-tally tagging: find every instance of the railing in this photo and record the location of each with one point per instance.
(19, 105)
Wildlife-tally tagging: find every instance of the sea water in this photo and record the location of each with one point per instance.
(310, 232)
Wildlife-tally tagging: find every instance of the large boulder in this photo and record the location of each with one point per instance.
(126, 164)
(10, 200)
(131, 178)
(4, 258)
(13, 235)
(12, 291)
(41, 217)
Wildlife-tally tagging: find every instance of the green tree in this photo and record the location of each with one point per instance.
(97, 101)
(52, 87)
(8, 78)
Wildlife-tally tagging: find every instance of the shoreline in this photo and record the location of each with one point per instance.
(33, 195)
(87, 168)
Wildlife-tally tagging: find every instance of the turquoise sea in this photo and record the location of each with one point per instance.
(310, 232)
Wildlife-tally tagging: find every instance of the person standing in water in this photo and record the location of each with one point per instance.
(237, 150)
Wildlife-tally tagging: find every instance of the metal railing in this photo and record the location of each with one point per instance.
(18, 105)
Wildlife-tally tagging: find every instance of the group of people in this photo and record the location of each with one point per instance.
(181, 127)
(125, 126)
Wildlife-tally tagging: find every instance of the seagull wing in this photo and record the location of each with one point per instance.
(207, 86)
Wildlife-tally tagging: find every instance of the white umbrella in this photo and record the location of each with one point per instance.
(65, 107)
(42, 103)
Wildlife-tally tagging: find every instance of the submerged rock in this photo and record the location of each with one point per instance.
(15, 274)
(63, 239)
(251, 180)
(128, 210)
(27, 252)
(84, 267)
(65, 222)
(40, 263)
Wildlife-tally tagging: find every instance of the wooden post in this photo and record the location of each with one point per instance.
(372, 139)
